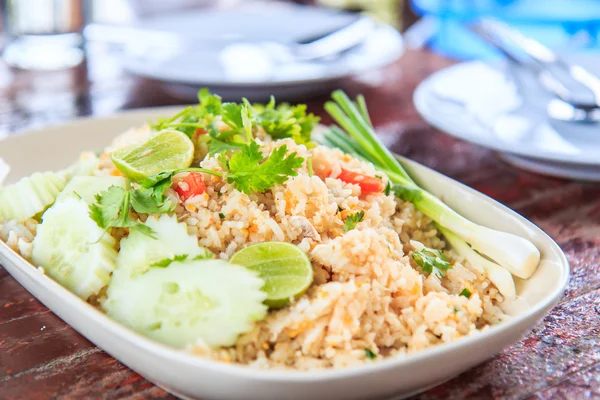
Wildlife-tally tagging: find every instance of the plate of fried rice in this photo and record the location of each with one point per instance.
(245, 251)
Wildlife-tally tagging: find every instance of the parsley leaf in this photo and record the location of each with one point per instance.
(250, 174)
(465, 292)
(111, 210)
(352, 220)
(432, 261)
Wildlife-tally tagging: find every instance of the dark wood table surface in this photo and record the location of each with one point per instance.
(41, 357)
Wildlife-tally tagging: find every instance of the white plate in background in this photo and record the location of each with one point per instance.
(197, 377)
(484, 105)
(186, 72)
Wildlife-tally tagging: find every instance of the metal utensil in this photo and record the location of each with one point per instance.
(321, 47)
(576, 90)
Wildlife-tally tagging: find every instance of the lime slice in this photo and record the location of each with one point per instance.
(285, 268)
(169, 149)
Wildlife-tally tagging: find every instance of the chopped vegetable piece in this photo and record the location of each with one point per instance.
(67, 247)
(167, 150)
(211, 300)
(285, 269)
(431, 261)
(370, 355)
(368, 184)
(465, 292)
(352, 220)
(221, 215)
(192, 185)
(388, 188)
(29, 196)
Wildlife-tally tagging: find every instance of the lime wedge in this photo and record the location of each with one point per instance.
(285, 268)
(169, 149)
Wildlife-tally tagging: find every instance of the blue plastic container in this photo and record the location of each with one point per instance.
(556, 23)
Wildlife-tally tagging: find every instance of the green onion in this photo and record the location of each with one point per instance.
(516, 254)
(466, 293)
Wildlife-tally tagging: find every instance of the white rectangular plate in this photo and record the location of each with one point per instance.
(195, 377)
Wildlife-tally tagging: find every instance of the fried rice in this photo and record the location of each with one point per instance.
(369, 299)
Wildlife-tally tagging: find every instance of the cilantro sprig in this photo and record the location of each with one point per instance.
(285, 121)
(432, 261)
(352, 220)
(279, 121)
(112, 210)
(250, 172)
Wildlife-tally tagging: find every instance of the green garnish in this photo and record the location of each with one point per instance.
(112, 208)
(221, 215)
(251, 172)
(361, 141)
(465, 292)
(370, 355)
(279, 121)
(432, 261)
(285, 121)
(352, 220)
(168, 261)
(180, 258)
(388, 188)
(309, 166)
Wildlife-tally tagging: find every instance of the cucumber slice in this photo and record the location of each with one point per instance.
(172, 241)
(29, 196)
(86, 187)
(73, 250)
(84, 167)
(210, 300)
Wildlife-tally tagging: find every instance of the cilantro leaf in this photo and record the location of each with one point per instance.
(285, 121)
(238, 117)
(209, 103)
(465, 292)
(432, 261)
(250, 174)
(191, 118)
(111, 210)
(151, 201)
(352, 220)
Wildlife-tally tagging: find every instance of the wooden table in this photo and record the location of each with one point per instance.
(41, 357)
